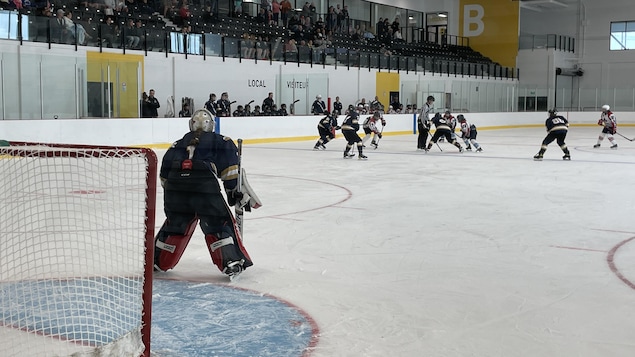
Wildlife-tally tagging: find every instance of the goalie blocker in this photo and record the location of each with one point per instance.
(192, 195)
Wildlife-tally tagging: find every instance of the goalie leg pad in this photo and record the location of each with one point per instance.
(225, 248)
(169, 247)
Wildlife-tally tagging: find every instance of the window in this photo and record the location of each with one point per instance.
(622, 36)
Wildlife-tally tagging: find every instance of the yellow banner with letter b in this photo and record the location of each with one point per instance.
(492, 27)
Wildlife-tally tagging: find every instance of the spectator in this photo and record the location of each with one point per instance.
(184, 14)
(384, 51)
(132, 39)
(331, 19)
(210, 105)
(256, 112)
(262, 16)
(285, 8)
(318, 107)
(153, 104)
(109, 32)
(248, 46)
(145, 106)
(185, 112)
(224, 105)
(337, 106)
(139, 31)
(275, 10)
(283, 110)
(291, 49)
(239, 112)
(395, 26)
(395, 103)
(345, 19)
(397, 36)
(268, 102)
(76, 30)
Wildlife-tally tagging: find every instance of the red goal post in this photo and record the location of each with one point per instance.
(76, 249)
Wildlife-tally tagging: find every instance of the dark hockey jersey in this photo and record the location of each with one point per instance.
(329, 122)
(440, 123)
(557, 122)
(351, 122)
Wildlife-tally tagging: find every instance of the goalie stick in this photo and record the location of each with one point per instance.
(238, 208)
(624, 136)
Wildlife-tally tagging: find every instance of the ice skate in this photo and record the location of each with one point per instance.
(538, 157)
(316, 148)
(469, 148)
(233, 269)
(362, 157)
(479, 150)
(614, 146)
(374, 145)
(322, 147)
(596, 146)
(348, 156)
(566, 157)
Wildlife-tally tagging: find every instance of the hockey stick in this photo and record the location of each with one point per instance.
(624, 136)
(238, 209)
(379, 137)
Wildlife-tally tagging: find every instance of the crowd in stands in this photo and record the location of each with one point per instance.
(127, 23)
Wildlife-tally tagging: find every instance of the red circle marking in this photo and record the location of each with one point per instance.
(610, 259)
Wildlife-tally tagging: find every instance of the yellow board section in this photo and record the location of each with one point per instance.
(124, 73)
(492, 27)
(384, 84)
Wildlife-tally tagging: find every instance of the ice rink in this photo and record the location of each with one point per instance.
(486, 254)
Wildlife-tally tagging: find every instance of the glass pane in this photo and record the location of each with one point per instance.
(618, 26)
(630, 26)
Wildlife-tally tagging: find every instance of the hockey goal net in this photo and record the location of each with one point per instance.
(76, 250)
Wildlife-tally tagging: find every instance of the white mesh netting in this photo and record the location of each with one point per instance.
(72, 250)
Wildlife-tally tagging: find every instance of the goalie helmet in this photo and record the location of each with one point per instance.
(606, 108)
(202, 119)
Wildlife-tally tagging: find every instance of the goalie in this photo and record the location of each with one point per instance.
(192, 194)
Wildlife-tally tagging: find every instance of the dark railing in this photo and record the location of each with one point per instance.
(425, 57)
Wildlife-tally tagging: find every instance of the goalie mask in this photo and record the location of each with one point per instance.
(202, 119)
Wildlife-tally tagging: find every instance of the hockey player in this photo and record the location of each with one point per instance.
(370, 129)
(223, 105)
(609, 122)
(318, 107)
(350, 126)
(468, 134)
(557, 128)
(423, 123)
(189, 175)
(442, 130)
(326, 128)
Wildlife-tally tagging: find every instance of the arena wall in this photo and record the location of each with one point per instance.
(160, 132)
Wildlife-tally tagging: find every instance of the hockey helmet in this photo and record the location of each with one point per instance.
(377, 115)
(202, 119)
(606, 108)
(553, 111)
(319, 96)
(430, 98)
(460, 117)
(447, 111)
(326, 112)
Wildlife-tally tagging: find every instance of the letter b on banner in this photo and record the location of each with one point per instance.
(473, 20)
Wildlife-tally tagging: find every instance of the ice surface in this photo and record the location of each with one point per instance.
(445, 254)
